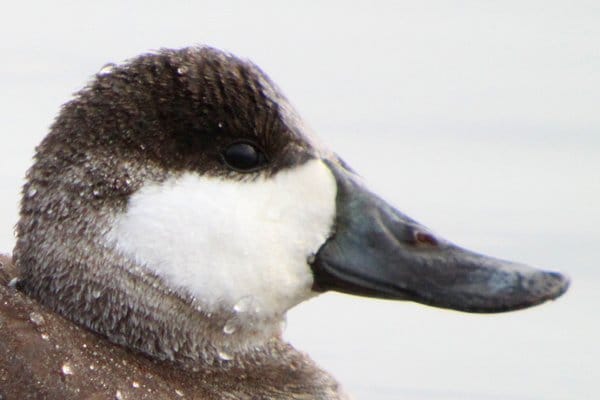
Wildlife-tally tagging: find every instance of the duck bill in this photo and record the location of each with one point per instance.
(377, 251)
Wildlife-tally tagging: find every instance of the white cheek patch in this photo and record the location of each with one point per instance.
(224, 241)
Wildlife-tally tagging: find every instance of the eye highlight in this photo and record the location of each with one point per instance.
(244, 157)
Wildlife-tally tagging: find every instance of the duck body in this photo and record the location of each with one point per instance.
(176, 211)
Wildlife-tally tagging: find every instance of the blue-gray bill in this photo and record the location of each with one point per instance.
(377, 251)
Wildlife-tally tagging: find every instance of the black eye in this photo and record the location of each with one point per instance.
(244, 157)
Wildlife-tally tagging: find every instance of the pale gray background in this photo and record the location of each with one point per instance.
(478, 118)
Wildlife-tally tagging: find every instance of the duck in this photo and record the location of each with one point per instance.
(176, 210)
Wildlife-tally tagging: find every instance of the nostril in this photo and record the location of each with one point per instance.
(425, 238)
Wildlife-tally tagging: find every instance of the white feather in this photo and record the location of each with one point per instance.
(224, 241)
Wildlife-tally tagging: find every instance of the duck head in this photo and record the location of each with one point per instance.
(179, 206)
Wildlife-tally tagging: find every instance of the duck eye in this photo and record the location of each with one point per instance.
(244, 157)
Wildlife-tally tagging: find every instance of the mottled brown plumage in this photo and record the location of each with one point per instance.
(45, 356)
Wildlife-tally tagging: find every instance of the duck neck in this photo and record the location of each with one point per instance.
(119, 299)
(170, 325)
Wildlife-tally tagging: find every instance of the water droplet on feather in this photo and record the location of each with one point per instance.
(225, 356)
(67, 369)
(106, 69)
(230, 327)
(245, 304)
(36, 318)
